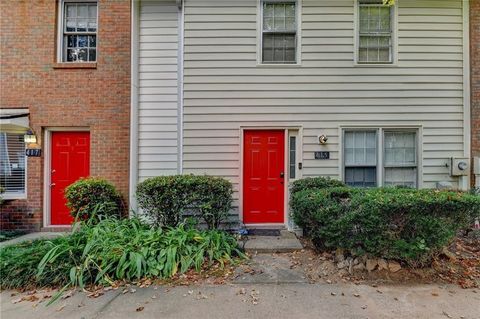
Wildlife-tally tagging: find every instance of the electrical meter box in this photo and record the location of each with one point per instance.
(459, 166)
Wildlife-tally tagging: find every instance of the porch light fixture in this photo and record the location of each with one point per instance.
(30, 137)
(322, 139)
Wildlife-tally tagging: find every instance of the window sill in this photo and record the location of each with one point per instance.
(7, 196)
(279, 65)
(75, 65)
(375, 65)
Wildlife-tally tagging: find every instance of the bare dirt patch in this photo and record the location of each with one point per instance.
(458, 264)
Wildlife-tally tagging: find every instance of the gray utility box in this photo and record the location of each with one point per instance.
(459, 166)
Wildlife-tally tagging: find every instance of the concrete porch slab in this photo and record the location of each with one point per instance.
(31, 237)
(285, 243)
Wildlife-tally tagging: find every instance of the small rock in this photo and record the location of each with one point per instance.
(371, 264)
(394, 266)
(356, 261)
(359, 267)
(342, 264)
(339, 255)
(333, 293)
(382, 264)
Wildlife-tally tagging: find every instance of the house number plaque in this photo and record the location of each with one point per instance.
(322, 155)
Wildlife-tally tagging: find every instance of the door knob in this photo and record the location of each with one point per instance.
(52, 184)
(282, 174)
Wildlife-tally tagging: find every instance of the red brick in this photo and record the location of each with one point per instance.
(58, 97)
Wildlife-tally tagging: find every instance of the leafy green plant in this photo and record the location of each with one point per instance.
(404, 224)
(89, 195)
(113, 249)
(167, 199)
(315, 183)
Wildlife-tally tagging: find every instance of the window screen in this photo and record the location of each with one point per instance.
(12, 163)
(400, 159)
(360, 158)
(279, 32)
(375, 32)
(80, 32)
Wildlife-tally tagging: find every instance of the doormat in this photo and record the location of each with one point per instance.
(264, 232)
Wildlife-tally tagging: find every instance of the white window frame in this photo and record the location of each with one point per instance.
(298, 39)
(356, 46)
(15, 196)
(384, 167)
(380, 131)
(60, 33)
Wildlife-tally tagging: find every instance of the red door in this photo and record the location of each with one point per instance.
(70, 161)
(263, 177)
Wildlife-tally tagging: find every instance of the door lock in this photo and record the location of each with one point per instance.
(282, 174)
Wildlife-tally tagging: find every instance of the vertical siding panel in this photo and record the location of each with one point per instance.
(158, 89)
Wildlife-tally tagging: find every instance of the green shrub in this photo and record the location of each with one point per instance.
(93, 195)
(166, 199)
(113, 249)
(404, 224)
(315, 183)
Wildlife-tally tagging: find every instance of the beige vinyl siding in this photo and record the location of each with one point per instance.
(225, 89)
(158, 89)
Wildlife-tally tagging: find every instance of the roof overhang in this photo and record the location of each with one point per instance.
(14, 120)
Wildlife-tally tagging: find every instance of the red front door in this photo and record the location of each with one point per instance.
(263, 177)
(70, 160)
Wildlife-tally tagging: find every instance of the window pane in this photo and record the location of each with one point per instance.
(283, 46)
(400, 148)
(71, 10)
(71, 25)
(293, 152)
(82, 41)
(400, 177)
(360, 148)
(361, 176)
(82, 11)
(92, 41)
(12, 163)
(82, 25)
(92, 11)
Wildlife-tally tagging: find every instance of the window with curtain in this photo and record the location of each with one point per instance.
(360, 158)
(375, 39)
(79, 32)
(279, 32)
(12, 164)
(400, 159)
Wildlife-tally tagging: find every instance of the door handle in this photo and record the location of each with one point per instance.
(282, 174)
(52, 184)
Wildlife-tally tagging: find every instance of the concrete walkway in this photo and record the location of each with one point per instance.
(296, 300)
(30, 237)
(285, 243)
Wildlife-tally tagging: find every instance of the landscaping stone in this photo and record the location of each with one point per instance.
(382, 264)
(371, 264)
(339, 255)
(394, 266)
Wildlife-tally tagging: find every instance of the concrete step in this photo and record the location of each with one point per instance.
(285, 243)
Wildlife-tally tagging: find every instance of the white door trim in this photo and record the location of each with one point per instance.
(47, 167)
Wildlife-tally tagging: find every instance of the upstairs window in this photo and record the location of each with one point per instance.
(279, 32)
(12, 165)
(79, 32)
(375, 39)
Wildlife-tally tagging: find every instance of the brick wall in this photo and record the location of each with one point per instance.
(97, 98)
(475, 74)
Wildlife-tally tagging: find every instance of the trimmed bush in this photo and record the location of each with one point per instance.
(89, 196)
(404, 224)
(315, 183)
(166, 199)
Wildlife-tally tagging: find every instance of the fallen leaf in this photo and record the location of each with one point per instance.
(356, 295)
(139, 309)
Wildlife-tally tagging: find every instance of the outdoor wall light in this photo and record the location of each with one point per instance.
(30, 137)
(322, 139)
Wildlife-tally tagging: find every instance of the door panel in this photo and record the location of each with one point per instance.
(70, 160)
(263, 177)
